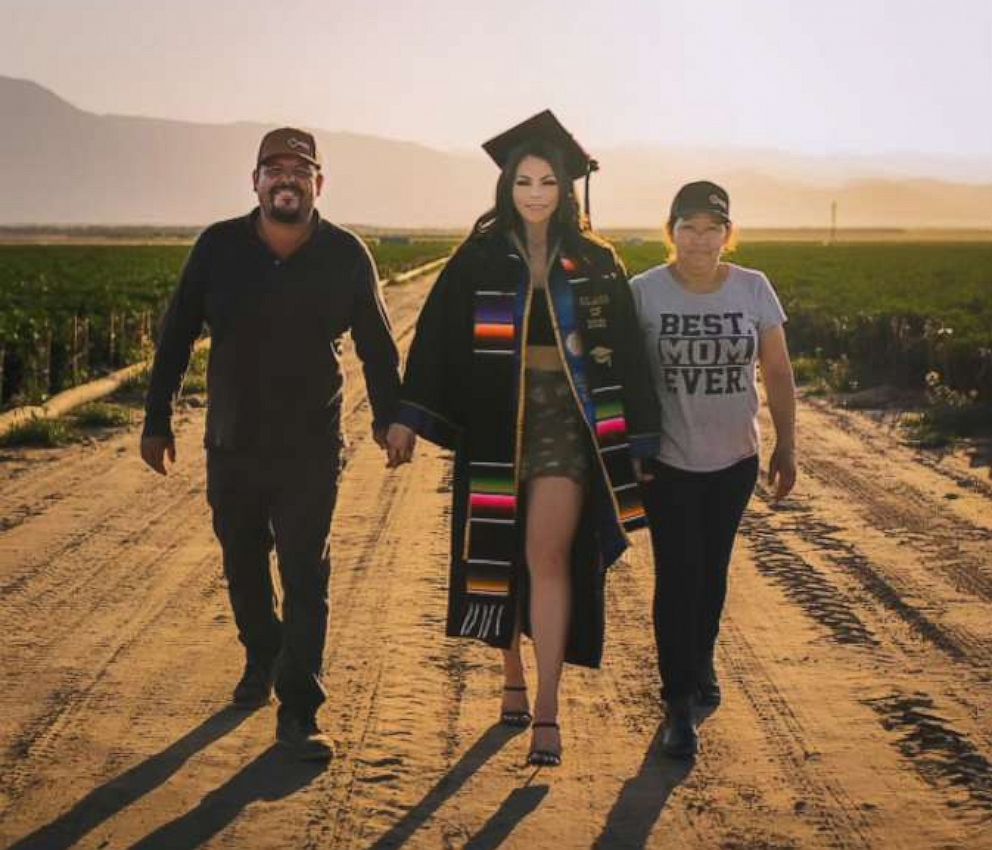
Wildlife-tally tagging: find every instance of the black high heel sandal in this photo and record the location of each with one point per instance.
(544, 758)
(516, 719)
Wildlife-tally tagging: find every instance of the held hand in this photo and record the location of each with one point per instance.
(154, 450)
(400, 442)
(379, 435)
(640, 473)
(782, 471)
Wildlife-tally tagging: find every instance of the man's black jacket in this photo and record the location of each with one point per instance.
(274, 379)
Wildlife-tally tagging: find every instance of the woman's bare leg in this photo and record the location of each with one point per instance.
(513, 677)
(554, 506)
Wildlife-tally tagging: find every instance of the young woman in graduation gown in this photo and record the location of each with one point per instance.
(527, 362)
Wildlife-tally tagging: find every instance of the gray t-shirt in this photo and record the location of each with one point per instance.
(703, 352)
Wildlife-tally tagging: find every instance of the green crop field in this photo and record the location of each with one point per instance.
(870, 313)
(891, 313)
(70, 312)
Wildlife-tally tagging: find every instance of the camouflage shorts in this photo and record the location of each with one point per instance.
(555, 440)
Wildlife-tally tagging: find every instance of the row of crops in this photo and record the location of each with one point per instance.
(69, 313)
(887, 313)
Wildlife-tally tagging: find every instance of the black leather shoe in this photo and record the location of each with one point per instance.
(680, 738)
(303, 738)
(255, 688)
(708, 686)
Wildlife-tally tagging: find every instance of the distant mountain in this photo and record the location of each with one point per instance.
(61, 165)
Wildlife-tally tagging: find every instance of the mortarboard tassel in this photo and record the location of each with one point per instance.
(590, 168)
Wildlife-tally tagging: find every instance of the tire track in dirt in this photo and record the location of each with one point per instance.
(805, 585)
(23, 512)
(98, 572)
(38, 739)
(32, 488)
(827, 804)
(88, 524)
(906, 512)
(130, 727)
(825, 602)
(79, 507)
(944, 757)
(829, 709)
(936, 748)
(900, 543)
(882, 441)
(133, 559)
(957, 644)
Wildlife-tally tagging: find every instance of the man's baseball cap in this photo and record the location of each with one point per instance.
(701, 197)
(289, 141)
(544, 127)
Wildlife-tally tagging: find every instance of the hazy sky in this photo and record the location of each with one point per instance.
(844, 76)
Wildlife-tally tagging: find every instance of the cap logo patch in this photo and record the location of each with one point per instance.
(718, 201)
(298, 144)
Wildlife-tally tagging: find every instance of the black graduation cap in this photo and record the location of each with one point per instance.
(547, 128)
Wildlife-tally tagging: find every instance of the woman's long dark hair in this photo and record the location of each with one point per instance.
(567, 224)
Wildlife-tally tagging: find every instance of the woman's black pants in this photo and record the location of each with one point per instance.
(693, 518)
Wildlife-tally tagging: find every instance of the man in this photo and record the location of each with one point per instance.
(277, 289)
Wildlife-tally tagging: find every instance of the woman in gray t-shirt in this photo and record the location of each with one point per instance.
(707, 324)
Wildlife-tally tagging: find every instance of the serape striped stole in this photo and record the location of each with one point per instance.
(491, 527)
(614, 451)
(591, 316)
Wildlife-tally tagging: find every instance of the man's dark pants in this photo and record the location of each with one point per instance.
(694, 518)
(260, 500)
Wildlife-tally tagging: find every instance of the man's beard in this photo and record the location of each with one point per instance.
(286, 215)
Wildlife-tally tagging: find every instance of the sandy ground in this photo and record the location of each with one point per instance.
(856, 658)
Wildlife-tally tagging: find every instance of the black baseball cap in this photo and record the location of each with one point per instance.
(544, 127)
(289, 141)
(701, 196)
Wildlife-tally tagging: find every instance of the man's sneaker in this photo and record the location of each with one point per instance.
(303, 738)
(255, 688)
(708, 686)
(680, 738)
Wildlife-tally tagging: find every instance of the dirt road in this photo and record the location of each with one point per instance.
(856, 657)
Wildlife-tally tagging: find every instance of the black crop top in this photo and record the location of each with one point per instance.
(539, 330)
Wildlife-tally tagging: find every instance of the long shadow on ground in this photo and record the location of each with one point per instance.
(271, 776)
(642, 799)
(491, 742)
(104, 802)
(518, 804)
